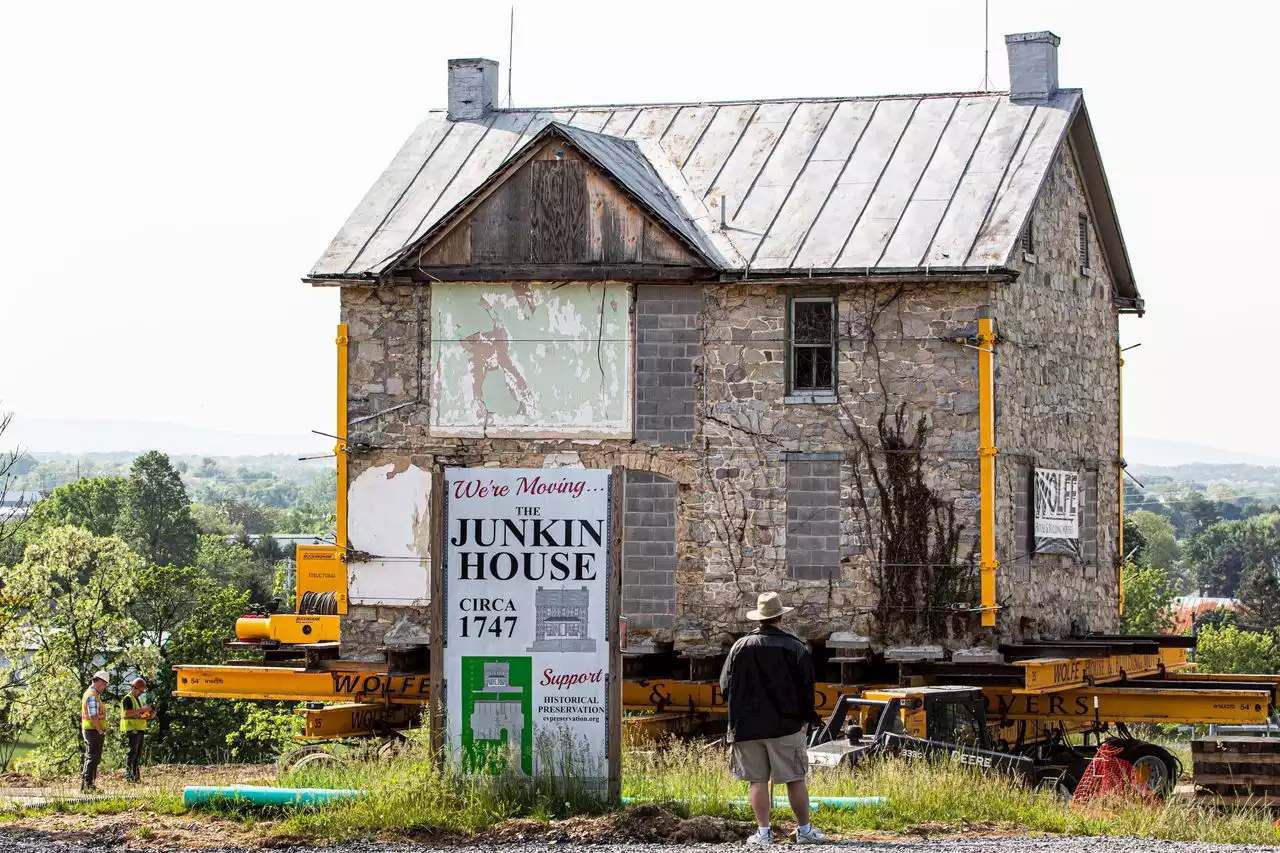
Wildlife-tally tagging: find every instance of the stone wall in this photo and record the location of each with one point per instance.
(1057, 399)
(893, 351)
(736, 473)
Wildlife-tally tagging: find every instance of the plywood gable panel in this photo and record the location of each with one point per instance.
(557, 209)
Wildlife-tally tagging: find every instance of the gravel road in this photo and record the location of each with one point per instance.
(22, 842)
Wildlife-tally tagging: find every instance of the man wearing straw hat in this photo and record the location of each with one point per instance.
(768, 682)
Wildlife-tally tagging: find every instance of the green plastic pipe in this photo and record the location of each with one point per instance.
(261, 795)
(840, 803)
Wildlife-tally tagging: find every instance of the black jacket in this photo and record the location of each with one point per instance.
(768, 682)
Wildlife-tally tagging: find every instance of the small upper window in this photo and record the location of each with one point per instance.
(1084, 241)
(1029, 238)
(813, 343)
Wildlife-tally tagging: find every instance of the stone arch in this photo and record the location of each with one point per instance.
(649, 526)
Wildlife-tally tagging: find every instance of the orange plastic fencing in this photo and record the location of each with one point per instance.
(1109, 776)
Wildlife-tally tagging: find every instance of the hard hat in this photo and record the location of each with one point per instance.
(102, 675)
(139, 680)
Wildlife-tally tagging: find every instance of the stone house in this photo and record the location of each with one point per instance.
(766, 312)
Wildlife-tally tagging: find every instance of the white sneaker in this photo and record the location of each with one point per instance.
(813, 836)
(758, 840)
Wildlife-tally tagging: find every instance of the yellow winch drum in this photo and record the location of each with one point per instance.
(293, 628)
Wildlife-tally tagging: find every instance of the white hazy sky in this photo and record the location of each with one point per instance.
(168, 171)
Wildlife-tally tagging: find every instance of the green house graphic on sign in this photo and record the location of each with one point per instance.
(497, 713)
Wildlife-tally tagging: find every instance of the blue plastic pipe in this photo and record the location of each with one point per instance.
(261, 795)
(815, 803)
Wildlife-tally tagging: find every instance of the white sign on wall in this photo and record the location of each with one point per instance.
(1057, 511)
(527, 611)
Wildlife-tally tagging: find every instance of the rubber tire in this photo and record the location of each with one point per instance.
(316, 758)
(1132, 751)
(286, 761)
(1054, 780)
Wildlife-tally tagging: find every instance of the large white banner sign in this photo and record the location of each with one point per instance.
(527, 592)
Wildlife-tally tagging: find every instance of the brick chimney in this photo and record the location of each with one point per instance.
(473, 88)
(1033, 66)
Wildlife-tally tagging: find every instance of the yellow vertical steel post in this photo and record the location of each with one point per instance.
(340, 449)
(987, 462)
(1120, 472)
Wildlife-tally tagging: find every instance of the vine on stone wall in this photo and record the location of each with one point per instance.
(918, 573)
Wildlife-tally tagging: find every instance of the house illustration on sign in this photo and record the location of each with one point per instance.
(505, 711)
(562, 623)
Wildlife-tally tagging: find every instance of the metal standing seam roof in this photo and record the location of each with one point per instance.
(902, 183)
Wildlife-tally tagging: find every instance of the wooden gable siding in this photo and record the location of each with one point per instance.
(557, 211)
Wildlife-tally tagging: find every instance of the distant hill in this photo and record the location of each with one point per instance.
(86, 435)
(1163, 453)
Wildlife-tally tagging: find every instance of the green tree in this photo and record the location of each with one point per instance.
(1148, 594)
(1260, 595)
(1224, 553)
(91, 502)
(196, 731)
(156, 516)
(210, 519)
(234, 565)
(1231, 650)
(72, 590)
(1160, 546)
(1135, 544)
(248, 517)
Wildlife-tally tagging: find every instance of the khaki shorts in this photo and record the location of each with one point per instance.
(781, 759)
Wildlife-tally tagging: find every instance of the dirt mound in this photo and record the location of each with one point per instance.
(138, 829)
(639, 823)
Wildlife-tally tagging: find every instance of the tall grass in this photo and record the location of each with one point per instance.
(946, 796)
(409, 796)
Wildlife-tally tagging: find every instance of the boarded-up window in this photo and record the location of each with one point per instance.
(1023, 541)
(813, 518)
(649, 550)
(1089, 521)
(668, 344)
(531, 360)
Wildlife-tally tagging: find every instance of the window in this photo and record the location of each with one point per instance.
(813, 338)
(1084, 241)
(1029, 238)
(954, 722)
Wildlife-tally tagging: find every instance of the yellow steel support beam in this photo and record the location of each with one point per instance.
(987, 464)
(340, 448)
(1130, 705)
(1049, 675)
(1120, 471)
(300, 685)
(1174, 659)
(356, 719)
(1122, 704)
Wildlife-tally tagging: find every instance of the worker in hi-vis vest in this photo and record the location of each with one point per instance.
(133, 722)
(93, 727)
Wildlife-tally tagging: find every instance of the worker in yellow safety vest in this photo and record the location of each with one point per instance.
(93, 727)
(137, 709)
